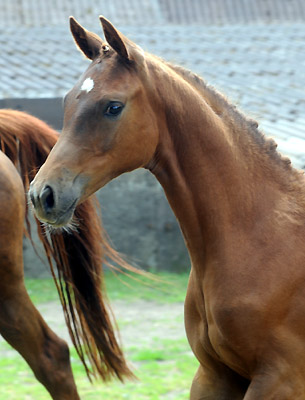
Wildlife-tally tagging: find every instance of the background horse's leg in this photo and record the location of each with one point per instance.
(20, 323)
(48, 356)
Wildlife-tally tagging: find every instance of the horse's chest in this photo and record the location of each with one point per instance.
(221, 324)
(233, 331)
(214, 338)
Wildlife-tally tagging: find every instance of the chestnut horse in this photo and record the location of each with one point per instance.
(78, 256)
(240, 205)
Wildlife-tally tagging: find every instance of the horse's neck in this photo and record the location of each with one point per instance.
(208, 171)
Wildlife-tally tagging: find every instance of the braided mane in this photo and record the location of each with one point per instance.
(228, 111)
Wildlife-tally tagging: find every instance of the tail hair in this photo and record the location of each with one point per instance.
(75, 258)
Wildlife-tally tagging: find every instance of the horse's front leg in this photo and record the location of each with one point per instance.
(213, 380)
(217, 383)
(276, 384)
(47, 355)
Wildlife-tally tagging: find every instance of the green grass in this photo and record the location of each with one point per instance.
(161, 375)
(166, 288)
(164, 368)
(41, 290)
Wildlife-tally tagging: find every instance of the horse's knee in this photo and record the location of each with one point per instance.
(54, 360)
(54, 369)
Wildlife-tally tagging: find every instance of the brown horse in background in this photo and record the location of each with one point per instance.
(240, 205)
(78, 255)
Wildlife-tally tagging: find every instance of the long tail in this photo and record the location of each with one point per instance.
(77, 256)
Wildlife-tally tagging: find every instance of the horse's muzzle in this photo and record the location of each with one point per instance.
(50, 207)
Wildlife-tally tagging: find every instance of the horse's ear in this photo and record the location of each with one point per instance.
(114, 38)
(88, 42)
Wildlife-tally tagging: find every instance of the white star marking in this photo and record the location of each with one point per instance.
(87, 85)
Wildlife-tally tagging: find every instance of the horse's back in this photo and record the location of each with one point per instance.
(11, 184)
(12, 208)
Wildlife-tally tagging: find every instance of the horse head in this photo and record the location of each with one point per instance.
(109, 125)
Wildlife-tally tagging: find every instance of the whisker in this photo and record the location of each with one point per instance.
(71, 227)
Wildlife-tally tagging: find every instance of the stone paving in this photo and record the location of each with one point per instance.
(257, 57)
(30, 13)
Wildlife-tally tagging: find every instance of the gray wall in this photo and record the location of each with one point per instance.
(135, 212)
(140, 222)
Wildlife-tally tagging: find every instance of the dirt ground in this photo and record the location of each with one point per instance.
(141, 322)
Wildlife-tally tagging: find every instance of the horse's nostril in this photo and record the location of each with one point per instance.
(47, 198)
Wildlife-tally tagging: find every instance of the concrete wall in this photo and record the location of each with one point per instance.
(135, 212)
(141, 224)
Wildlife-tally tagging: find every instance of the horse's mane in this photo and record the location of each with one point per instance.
(224, 108)
(78, 256)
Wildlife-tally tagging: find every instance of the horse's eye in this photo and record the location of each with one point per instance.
(113, 109)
